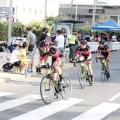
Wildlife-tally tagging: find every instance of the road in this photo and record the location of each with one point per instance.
(20, 99)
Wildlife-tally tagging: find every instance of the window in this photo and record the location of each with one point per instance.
(24, 10)
(35, 12)
(29, 11)
(40, 12)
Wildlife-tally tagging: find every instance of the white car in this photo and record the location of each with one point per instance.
(17, 40)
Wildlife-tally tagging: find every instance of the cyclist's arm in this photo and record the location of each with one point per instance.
(89, 57)
(97, 52)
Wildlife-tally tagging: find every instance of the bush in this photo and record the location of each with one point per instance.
(18, 29)
(37, 27)
(3, 31)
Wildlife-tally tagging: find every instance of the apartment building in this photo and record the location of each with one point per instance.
(28, 10)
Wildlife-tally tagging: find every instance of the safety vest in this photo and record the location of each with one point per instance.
(72, 39)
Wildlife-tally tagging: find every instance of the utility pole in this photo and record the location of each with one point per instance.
(76, 11)
(94, 10)
(45, 13)
(71, 8)
(10, 22)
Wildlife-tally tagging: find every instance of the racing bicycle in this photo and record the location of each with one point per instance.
(83, 74)
(49, 87)
(104, 71)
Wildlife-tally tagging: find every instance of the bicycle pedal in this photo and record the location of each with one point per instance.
(47, 89)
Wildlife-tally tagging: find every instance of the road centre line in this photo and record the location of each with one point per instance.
(116, 96)
(48, 110)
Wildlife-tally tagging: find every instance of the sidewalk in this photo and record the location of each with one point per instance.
(10, 76)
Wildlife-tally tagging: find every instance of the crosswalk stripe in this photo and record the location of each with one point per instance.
(98, 112)
(5, 93)
(18, 102)
(48, 110)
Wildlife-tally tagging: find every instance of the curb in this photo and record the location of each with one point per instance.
(15, 77)
(43, 73)
(2, 80)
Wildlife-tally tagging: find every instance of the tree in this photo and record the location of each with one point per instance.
(3, 30)
(37, 27)
(18, 29)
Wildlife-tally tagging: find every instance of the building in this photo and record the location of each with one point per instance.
(28, 10)
(84, 12)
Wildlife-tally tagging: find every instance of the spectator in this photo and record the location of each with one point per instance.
(15, 56)
(48, 38)
(60, 41)
(96, 38)
(31, 41)
(71, 43)
(76, 41)
(43, 34)
(26, 63)
(114, 38)
(42, 37)
(53, 37)
(87, 37)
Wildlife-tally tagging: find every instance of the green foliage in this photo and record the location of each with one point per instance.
(3, 30)
(18, 29)
(37, 27)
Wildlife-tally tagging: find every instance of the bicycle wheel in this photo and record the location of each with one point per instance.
(46, 90)
(66, 87)
(103, 73)
(82, 78)
(106, 74)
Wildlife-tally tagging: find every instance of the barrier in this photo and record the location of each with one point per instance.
(111, 45)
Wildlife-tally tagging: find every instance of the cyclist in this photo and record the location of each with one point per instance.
(55, 54)
(83, 52)
(104, 52)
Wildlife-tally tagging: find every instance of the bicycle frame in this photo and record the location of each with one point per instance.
(49, 71)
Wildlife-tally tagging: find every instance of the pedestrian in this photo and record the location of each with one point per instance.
(71, 43)
(60, 41)
(42, 37)
(31, 42)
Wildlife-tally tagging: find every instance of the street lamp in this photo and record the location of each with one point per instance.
(45, 13)
(10, 22)
(94, 9)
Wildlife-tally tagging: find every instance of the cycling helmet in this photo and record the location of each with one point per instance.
(83, 42)
(43, 43)
(102, 42)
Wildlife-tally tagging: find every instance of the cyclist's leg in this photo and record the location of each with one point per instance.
(89, 64)
(108, 66)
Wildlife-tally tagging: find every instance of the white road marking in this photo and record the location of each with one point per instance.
(18, 102)
(116, 96)
(5, 93)
(98, 112)
(48, 110)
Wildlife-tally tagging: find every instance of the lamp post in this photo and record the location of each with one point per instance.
(94, 9)
(76, 11)
(10, 22)
(45, 13)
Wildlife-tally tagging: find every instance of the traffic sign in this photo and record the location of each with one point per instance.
(4, 11)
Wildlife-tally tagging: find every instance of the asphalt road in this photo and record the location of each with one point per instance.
(20, 99)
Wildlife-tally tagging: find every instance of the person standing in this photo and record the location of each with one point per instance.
(71, 43)
(60, 41)
(31, 42)
(114, 38)
(42, 37)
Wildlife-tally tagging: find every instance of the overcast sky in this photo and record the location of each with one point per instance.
(110, 2)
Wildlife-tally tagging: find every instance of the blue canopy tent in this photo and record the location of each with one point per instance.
(110, 25)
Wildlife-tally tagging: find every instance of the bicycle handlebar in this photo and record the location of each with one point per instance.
(101, 58)
(78, 61)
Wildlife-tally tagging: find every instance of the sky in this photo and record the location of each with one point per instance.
(110, 2)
